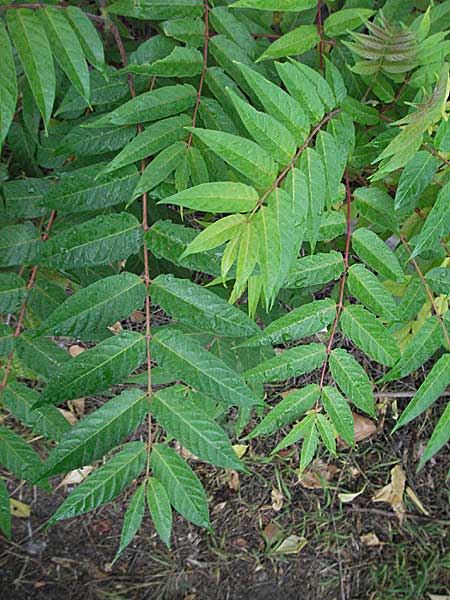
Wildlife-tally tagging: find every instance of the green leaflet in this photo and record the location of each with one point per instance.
(345, 20)
(96, 369)
(18, 456)
(297, 432)
(327, 432)
(223, 197)
(366, 331)
(160, 509)
(247, 256)
(216, 234)
(12, 292)
(157, 10)
(426, 341)
(200, 369)
(160, 167)
(98, 241)
(5, 512)
(33, 48)
(297, 41)
(47, 420)
(132, 520)
(290, 363)
(97, 141)
(361, 113)
(41, 355)
(197, 306)
(153, 139)
(339, 412)
(7, 339)
(302, 89)
(437, 223)
(244, 155)
(377, 207)
(372, 250)
(301, 322)
(438, 279)
(366, 288)
(19, 244)
(413, 299)
(335, 81)
(334, 164)
(278, 103)
(187, 30)
(66, 49)
(433, 386)
(352, 379)
(439, 437)
(226, 23)
(183, 488)
(197, 432)
(280, 5)
(23, 196)
(312, 167)
(315, 270)
(98, 432)
(104, 484)
(88, 37)
(293, 406)
(181, 62)
(90, 189)
(91, 310)
(151, 106)
(309, 446)
(271, 135)
(8, 84)
(416, 176)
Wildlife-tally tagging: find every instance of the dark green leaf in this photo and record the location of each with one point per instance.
(132, 520)
(160, 509)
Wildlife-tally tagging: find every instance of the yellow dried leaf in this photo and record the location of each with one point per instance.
(393, 492)
(19, 509)
(75, 350)
(371, 539)
(417, 502)
(240, 449)
(277, 499)
(349, 497)
(291, 545)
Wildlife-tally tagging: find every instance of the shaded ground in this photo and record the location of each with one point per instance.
(72, 559)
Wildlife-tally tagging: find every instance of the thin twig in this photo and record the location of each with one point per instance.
(30, 284)
(203, 73)
(427, 289)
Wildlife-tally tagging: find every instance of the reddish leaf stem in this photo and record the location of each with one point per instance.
(203, 73)
(340, 305)
(23, 309)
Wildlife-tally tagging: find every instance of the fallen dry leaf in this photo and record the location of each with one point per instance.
(371, 539)
(68, 415)
(76, 476)
(137, 316)
(350, 496)
(392, 493)
(78, 406)
(362, 428)
(438, 597)
(233, 480)
(19, 509)
(240, 449)
(116, 328)
(75, 350)
(318, 474)
(291, 545)
(271, 532)
(417, 502)
(277, 499)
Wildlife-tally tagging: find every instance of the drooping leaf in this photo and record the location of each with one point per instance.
(366, 288)
(193, 428)
(132, 520)
(366, 331)
(372, 250)
(104, 484)
(296, 433)
(97, 368)
(216, 234)
(183, 488)
(309, 446)
(160, 509)
(18, 456)
(197, 306)
(437, 223)
(8, 84)
(352, 379)
(160, 167)
(200, 369)
(327, 432)
(339, 412)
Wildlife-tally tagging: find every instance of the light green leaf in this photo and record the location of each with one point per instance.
(372, 250)
(187, 30)
(66, 49)
(96, 369)
(19, 244)
(47, 420)
(334, 164)
(12, 292)
(301, 322)
(33, 48)
(5, 513)
(8, 84)
(377, 207)
(416, 177)
(297, 41)
(413, 299)
(247, 256)
(193, 428)
(345, 20)
(217, 197)
(297, 432)
(294, 405)
(290, 363)
(183, 487)
(18, 456)
(154, 138)
(225, 22)
(181, 62)
(437, 223)
(132, 520)
(104, 484)
(366, 331)
(339, 412)
(216, 234)
(160, 167)
(98, 241)
(302, 89)
(89, 189)
(360, 113)
(160, 510)
(278, 5)
(200, 369)
(335, 80)
(98, 433)
(365, 287)
(326, 431)
(197, 306)
(89, 312)
(435, 383)
(439, 437)
(243, 155)
(352, 379)
(312, 166)
(438, 279)
(88, 37)
(309, 446)
(157, 10)
(318, 269)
